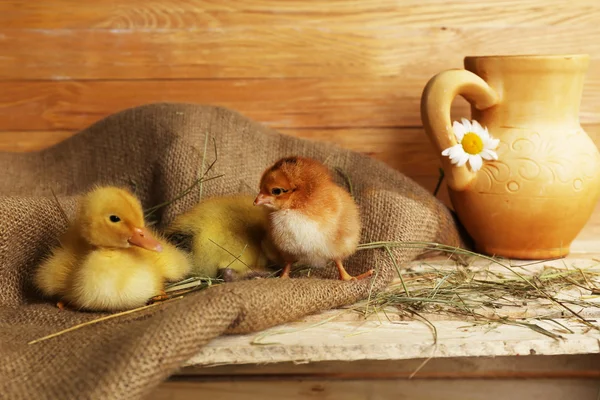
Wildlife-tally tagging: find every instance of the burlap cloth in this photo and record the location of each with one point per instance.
(158, 151)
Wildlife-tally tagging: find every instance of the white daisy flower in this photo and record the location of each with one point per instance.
(474, 145)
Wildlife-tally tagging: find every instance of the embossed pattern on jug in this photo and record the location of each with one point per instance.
(534, 164)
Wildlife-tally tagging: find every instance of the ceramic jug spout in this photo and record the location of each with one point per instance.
(436, 101)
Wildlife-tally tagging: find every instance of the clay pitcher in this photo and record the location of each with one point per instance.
(536, 197)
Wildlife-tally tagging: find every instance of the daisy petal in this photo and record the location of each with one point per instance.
(484, 136)
(456, 149)
(459, 131)
(486, 155)
(475, 162)
(483, 132)
(492, 144)
(466, 124)
(462, 160)
(456, 160)
(451, 150)
(453, 160)
(489, 154)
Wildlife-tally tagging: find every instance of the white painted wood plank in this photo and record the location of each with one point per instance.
(345, 335)
(371, 340)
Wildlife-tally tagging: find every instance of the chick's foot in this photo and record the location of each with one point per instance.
(345, 276)
(286, 271)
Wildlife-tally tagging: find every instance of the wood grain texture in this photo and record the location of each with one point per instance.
(406, 149)
(278, 103)
(567, 366)
(260, 38)
(347, 334)
(296, 389)
(190, 14)
(29, 141)
(416, 53)
(290, 103)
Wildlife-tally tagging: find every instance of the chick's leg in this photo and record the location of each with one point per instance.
(286, 270)
(345, 276)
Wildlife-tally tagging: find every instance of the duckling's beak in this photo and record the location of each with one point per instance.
(144, 239)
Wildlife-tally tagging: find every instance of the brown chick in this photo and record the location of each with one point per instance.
(312, 220)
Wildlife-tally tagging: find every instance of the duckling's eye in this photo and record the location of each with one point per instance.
(114, 218)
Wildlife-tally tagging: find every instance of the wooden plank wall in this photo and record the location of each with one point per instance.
(345, 71)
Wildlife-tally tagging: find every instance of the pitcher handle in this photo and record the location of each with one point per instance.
(436, 101)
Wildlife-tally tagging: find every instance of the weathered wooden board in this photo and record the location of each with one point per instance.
(279, 103)
(258, 38)
(189, 14)
(398, 358)
(530, 366)
(345, 335)
(371, 340)
(416, 53)
(407, 150)
(378, 389)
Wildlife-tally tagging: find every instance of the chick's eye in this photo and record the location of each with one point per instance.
(114, 218)
(276, 191)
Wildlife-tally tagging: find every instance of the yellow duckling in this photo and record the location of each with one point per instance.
(218, 230)
(108, 259)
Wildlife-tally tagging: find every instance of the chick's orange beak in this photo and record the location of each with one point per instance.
(144, 239)
(262, 199)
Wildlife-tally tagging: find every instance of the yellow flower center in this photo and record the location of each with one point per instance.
(472, 143)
